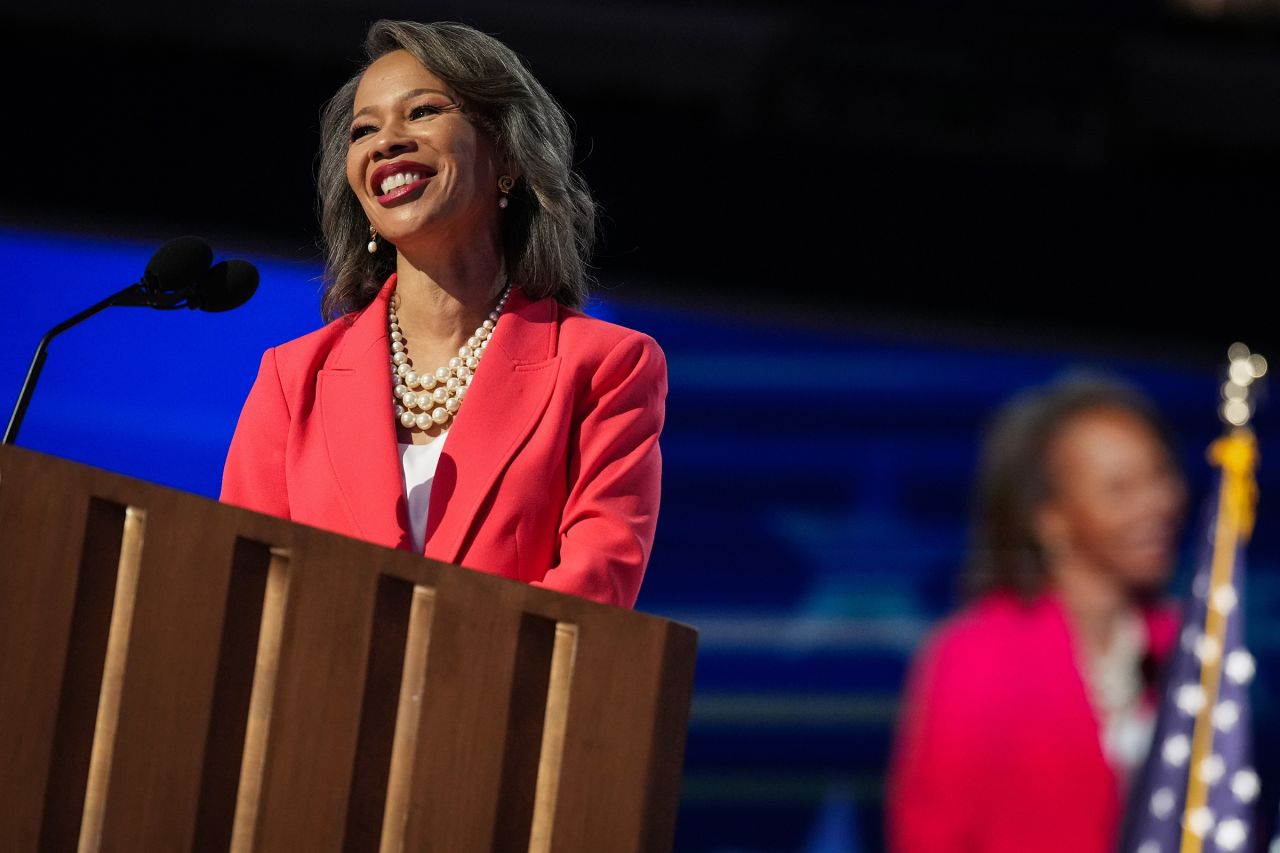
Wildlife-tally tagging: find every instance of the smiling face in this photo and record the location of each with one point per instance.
(1117, 498)
(420, 168)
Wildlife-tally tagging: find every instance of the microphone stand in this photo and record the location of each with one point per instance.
(37, 363)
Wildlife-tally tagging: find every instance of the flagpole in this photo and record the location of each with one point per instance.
(1236, 454)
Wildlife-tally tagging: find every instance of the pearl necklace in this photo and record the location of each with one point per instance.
(426, 400)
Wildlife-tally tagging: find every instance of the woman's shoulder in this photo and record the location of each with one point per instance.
(1000, 621)
(591, 337)
(987, 651)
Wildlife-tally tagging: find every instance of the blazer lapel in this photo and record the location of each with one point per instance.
(354, 399)
(512, 387)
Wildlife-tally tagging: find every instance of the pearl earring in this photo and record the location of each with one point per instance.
(505, 183)
(373, 240)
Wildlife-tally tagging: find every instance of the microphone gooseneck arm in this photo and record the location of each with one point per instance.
(178, 274)
(37, 362)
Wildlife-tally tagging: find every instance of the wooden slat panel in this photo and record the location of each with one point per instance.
(113, 673)
(169, 679)
(311, 749)
(526, 718)
(661, 787)
(232, 691)
(463, 753)
(82, 676)
(601, 800)
(384, 675)
(408, 720)
(42, 524)
(262, 701)
(555, 726)
(463, 729)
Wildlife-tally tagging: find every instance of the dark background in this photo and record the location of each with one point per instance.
(854, 228)
(1092, 171)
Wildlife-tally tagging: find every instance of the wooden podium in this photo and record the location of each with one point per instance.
(176, 674)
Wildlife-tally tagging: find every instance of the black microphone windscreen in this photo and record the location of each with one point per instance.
(227, 285)
(178, 263)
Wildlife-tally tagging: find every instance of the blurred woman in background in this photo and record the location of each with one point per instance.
(1025, 713)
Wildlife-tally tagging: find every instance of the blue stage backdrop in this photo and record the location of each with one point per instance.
(814, 508)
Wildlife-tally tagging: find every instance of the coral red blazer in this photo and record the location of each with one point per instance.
(998, 748)
(551, 473)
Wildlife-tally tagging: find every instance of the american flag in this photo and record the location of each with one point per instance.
(1198, 790)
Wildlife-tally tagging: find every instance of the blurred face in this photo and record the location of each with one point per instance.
(1117, 499)
(418, 166)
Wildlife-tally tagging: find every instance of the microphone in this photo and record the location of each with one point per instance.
(172, 273)
(227, 285)
(178, 274)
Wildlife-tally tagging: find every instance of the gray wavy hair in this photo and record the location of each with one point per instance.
(549, 228)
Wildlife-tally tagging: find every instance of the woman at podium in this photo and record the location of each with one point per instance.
(1026, 714)
(458, 403)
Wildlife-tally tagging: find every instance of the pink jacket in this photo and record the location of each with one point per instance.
(998, 748)
(551, 473)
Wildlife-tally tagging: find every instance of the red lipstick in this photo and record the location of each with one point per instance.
(419, 176)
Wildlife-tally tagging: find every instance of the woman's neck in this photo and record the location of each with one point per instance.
(444, 296)
(1095, 601)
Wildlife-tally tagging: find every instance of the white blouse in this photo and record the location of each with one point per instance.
(418, 465)
(1115, 687)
